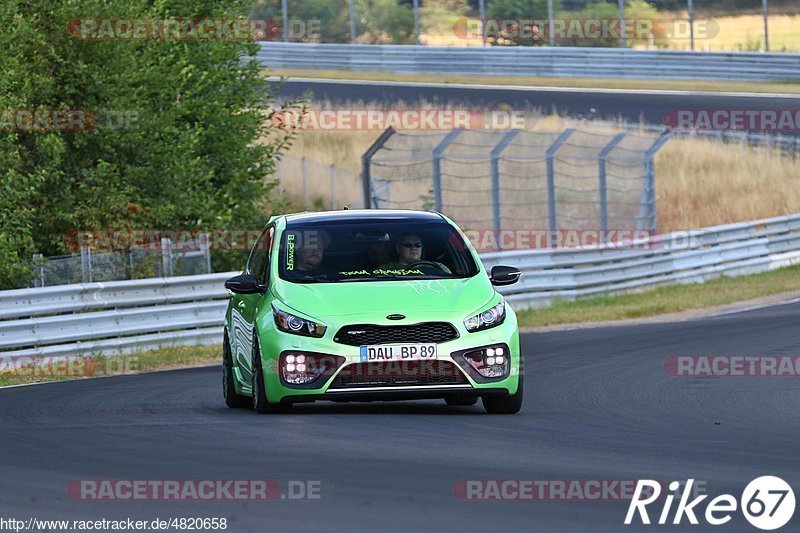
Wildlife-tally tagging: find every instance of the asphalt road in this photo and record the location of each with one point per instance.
(599, 405)
(631, 105)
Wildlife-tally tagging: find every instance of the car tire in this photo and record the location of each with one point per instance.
(508, 404)
(232, 398)
(461, 399)
(260, 403)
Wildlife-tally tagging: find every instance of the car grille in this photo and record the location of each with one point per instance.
(368, 334)
(399, 374)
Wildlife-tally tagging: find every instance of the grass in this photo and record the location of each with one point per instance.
(699, 182)
(540, 81)
(59, 369)
(668, 299)
(746, 33)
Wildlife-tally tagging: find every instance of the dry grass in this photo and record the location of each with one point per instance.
(699, 182)
(539, 81)
(746, 33)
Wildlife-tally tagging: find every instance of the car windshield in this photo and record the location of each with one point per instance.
(373, 250)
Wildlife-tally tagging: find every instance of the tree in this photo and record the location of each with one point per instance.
(186, 155)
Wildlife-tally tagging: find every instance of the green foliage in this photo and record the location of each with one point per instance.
(310, 20)
(188, 160)
(377, 21)
(638, 11)
(518, 10)
(384, 21)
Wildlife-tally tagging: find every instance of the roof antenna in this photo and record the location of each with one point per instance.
(346, 207)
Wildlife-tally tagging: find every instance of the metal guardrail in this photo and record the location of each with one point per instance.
(123, 316)
(534, 61)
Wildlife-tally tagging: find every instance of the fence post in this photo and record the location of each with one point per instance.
(205, 244)
(437, 167)
(552, 215)
(86, 264)
(38, 260)
(166, 257)
(333, 187)
(279, 172)
(366, 162)
(649, 192)
(603, 188)
(495, 169)
(304, 167)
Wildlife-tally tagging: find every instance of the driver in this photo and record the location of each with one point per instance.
(409, 251)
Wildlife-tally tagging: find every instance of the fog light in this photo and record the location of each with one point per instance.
(489, 362)
(304, 368)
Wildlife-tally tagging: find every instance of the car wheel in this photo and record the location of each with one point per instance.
(232, 399)
(260, 403)
(461, 399)
(504, 405)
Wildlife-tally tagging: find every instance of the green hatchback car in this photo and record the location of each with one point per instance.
(369, 305)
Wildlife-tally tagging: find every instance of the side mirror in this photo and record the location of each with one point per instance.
(504, 275)
(244, 284)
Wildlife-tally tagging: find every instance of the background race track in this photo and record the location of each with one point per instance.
(599, 405)
(631, 105)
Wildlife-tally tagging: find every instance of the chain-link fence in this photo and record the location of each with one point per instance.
(91, 266)
(318, 184)
(519, 180)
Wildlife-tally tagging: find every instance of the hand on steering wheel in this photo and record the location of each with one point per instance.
(423, 262)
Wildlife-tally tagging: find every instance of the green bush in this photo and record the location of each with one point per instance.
(189, 160)
(519, 9)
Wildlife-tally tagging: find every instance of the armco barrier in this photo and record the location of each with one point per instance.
(533, 61)
(124, 316)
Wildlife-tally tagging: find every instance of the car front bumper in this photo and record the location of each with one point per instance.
(274, 342)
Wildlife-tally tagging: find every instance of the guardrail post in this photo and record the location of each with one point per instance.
(166, 257)
(495, 168)
(552, 215)
(649, 190)
(366, 162)
(603, 188)
(333, 187)
(437, 167)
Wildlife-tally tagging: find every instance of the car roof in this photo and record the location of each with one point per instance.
(366, 214)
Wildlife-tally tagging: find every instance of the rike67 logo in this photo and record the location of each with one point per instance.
(767, 503)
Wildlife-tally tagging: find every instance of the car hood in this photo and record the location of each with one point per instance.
(380, 298)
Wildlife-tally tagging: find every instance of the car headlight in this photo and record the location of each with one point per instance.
(299, 326)
(494, 316)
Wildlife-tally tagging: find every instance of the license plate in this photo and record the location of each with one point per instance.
(398, 352)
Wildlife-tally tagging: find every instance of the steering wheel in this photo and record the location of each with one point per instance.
(424, 263)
